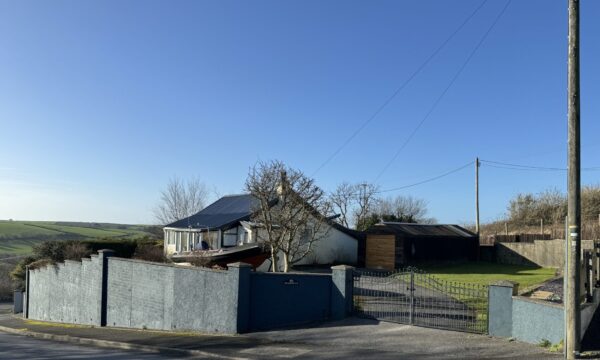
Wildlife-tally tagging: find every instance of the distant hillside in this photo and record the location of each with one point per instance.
(17, 237)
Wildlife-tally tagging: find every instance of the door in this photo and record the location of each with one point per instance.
(380, 252)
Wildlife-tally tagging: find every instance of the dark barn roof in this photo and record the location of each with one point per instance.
(220, 214)
(420, 230)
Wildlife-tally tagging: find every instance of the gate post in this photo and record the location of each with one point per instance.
(500, 308)
(412, 297)
(342, 288)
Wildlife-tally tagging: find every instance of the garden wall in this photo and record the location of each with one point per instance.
(69, 292)
(109, 291)
(531, 320)
(156, 296)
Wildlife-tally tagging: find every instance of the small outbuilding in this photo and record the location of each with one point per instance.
(392, 245)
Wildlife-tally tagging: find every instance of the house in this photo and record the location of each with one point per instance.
(226, 223)
(393, 245)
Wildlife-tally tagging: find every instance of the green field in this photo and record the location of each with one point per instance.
(17, 237)
(484, 273)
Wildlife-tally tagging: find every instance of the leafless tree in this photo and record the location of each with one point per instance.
(343, 200)
(180, 199)
(366, 200)
(289, 211)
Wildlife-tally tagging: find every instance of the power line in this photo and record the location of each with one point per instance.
(427, 180)
(503, 165)
(401, 87)
(452, 81)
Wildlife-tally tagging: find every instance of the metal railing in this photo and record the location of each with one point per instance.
(411, 296)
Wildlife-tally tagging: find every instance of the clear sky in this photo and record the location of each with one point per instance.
(101, 102)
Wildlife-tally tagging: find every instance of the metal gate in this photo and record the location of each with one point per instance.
(414, 297)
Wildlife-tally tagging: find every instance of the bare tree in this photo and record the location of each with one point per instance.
(343, 200)
(289, 211)
(366, 200)
(180, 199)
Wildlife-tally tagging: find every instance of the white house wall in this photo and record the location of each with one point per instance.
(335, 247)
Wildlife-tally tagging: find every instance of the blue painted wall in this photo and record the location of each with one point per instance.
(533, 321)
(109, 291)
(279, 300)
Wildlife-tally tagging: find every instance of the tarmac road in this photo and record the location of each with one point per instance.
(20, 347)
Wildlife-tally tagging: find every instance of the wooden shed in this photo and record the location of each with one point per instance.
(391, 245)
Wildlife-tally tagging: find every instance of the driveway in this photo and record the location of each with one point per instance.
(370, 339)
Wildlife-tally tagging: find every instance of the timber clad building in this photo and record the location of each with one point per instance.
(391, 245)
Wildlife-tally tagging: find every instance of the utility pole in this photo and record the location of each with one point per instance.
(572, 304)
(477, 195)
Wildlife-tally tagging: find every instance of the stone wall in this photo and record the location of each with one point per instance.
(69, 292)
(110, 291)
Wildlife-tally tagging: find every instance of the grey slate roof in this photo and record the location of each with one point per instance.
(229, 210)
(416, 230)
(221, 214)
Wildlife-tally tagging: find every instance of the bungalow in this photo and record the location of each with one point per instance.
(226, 223)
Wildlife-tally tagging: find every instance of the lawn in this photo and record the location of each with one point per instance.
(484, 273)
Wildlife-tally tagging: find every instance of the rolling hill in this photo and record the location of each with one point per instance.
(17, 237)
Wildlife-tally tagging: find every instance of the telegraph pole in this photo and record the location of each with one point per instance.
(477, 195)
(573, 315)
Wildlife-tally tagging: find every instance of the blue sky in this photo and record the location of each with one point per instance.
(101, 102)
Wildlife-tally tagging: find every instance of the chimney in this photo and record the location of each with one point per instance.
(283, 183)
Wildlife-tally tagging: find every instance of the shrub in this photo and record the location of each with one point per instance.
(51, 252)
(76, 251)
(200, 261)
(6, 285)
(149, 252)
(18, 273)
(545, 343)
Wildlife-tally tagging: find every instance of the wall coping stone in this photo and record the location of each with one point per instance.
(342, 267)
(239, 265)
(540, 302)
(509, 284)
(290, 273)
(196, 268)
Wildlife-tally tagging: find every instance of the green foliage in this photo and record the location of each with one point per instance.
(52, 252)
(363, 224)
(558, 347)
(18, 273)
(545, 343)
(372, 219)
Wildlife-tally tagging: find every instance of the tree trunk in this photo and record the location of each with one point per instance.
(273, 259)
(286, 262)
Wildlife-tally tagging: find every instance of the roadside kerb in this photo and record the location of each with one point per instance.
(115, 344)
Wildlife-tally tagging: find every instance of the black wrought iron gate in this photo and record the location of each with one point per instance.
(414, 297)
